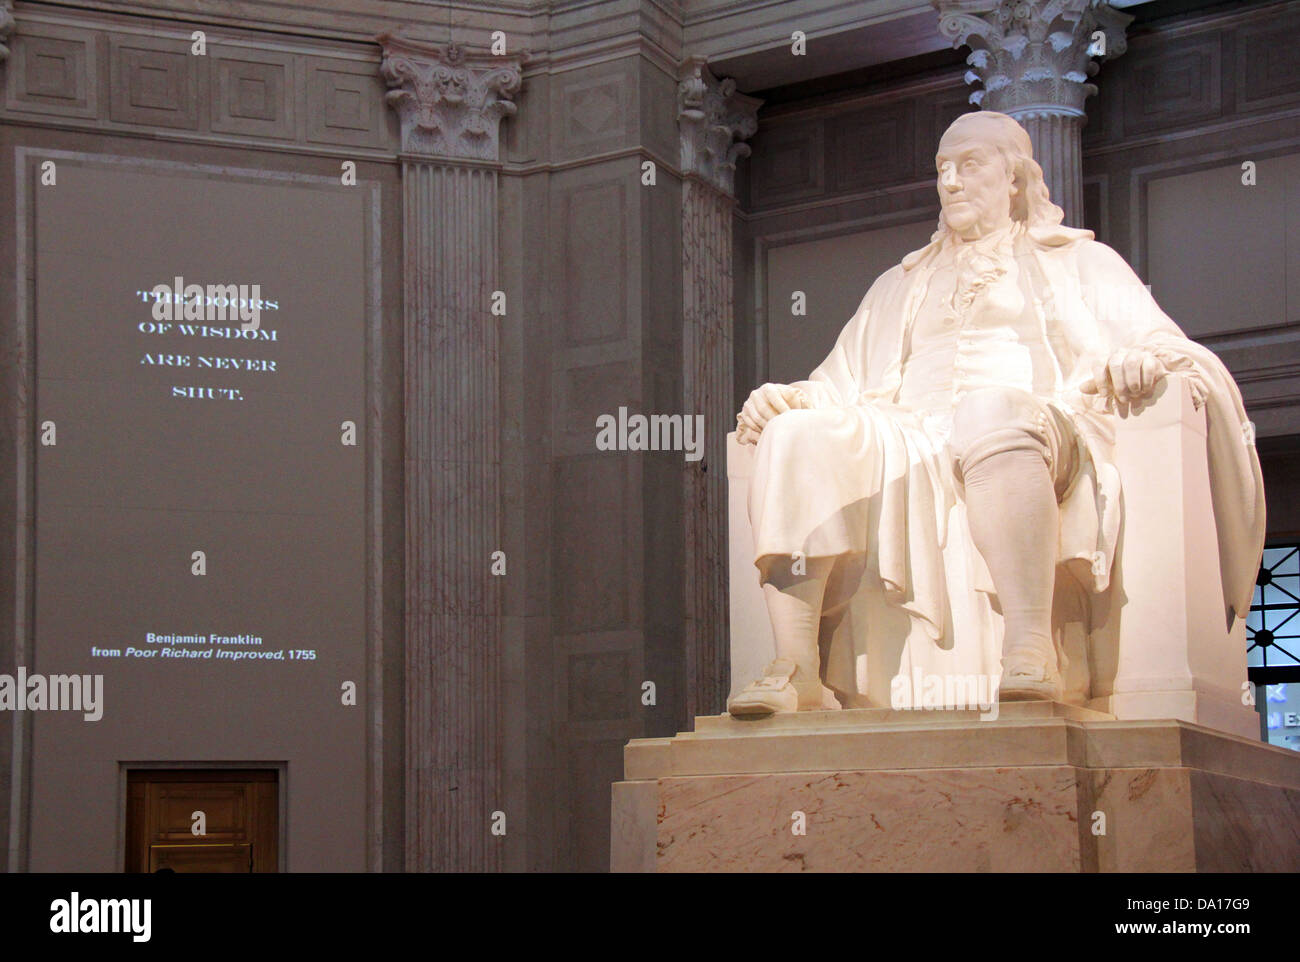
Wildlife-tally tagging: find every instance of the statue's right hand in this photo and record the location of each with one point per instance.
(766, 403)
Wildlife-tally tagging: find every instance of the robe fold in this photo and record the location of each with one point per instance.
(858, 477)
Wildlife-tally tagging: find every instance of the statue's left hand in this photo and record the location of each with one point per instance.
(765, 403)
(1130, 374)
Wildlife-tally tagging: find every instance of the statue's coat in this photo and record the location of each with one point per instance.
(888, 505)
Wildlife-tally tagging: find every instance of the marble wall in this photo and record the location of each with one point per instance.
(604, 542)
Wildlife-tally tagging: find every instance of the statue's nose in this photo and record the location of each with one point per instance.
(948, 176)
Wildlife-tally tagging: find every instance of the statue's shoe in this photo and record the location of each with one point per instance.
(772, 693)
(1027, 682)
(776, 692)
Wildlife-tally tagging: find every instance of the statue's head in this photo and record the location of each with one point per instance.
(988, 177)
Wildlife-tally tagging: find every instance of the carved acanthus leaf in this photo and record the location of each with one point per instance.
(7, 25)
(1032, 55)
(714, 120)
(450, 100)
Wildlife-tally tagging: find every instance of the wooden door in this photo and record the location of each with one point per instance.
(240, 821)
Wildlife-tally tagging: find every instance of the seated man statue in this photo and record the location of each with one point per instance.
(973, 396)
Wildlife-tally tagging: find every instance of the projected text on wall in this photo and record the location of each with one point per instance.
(203, 500)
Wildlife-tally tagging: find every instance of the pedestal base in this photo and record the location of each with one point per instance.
(1043, 788)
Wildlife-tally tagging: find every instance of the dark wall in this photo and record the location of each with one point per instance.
(72, 105)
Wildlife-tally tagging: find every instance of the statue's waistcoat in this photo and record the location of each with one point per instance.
(977, 325)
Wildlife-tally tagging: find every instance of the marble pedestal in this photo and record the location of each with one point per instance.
(915, 791)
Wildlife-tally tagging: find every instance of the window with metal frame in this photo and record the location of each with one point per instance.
(1273, 644)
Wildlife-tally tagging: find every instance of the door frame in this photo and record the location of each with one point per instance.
(281, 798)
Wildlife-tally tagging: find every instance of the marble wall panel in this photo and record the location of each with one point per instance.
(1173, 84)
(253, 96)
(593, 284)
(592, 588)
(871, 147)
(583, 394)
(345, 104)
(154, 81)
(53, 71)
(1268, 62)
(594, 109)
(599, 690)
(65, 66)
(788, 163)
(1185, 256)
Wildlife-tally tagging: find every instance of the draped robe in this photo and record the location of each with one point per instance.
(872, 486)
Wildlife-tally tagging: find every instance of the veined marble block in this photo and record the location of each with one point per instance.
(1045, 787)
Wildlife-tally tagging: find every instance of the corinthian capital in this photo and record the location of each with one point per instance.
(6, 27)
(450, 100)
(714, 120)
(1033, 56)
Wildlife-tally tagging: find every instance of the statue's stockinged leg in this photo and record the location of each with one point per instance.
(794, 603)
(1010, 503)
(1014, 517)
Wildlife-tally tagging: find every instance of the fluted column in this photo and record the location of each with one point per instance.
(1034, 58)
(713, 120)
(1057, 140)
(450, 103)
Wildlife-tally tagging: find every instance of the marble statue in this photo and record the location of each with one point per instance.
(954, 454)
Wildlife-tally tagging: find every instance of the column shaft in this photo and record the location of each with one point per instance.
(453, 518)
(708, 375)
(1056, 138)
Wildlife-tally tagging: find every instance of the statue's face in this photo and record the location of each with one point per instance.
(975, 187)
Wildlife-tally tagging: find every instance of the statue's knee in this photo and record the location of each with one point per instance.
(791, 426)
(808, 443)
(992, 420)
(989, 409)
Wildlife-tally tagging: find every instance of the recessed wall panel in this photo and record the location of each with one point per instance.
(200, 503)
